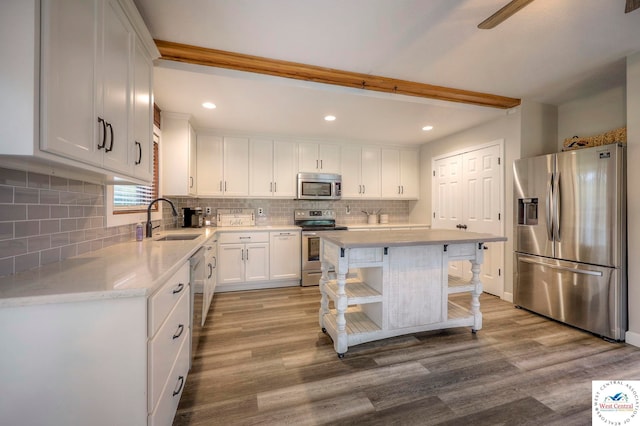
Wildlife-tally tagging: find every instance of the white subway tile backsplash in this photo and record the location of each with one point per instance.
(10, 212)
(45, 219)
(27, 261)
(13, 177)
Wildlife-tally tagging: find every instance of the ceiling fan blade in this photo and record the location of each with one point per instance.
(509, 9)
(631, 5)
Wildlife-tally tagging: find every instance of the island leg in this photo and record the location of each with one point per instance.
(324, 300)
(477, 291)
(341, 343)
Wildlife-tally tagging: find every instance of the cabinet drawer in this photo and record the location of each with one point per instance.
(164, 347)
(164, 412)
(161, 303)
(243, 237)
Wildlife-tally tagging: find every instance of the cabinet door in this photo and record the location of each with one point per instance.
(175, 154)
(329, 156)
(351, 171)
(308, 157)
(256, 258)
(409, 181)
(193, 161)
(284, 253)
(285, 168)
(370, 172)
(68, 79)
(209, 165)
(236, 167)
(115, 68)
(142, 115)
(210, 277)
(231, 257)
(261, 167)
(390, 173)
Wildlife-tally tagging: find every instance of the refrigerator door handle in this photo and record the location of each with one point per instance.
(556, 204)
(563, 268)
(550, 208)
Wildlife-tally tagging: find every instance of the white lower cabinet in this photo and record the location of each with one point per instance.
(169, 346)
(284, 255)
(258, 259)
(244, 257)
(104, 362)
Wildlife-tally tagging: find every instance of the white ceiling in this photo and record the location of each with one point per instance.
(551, 51)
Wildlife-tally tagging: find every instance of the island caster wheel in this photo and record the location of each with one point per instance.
(474, 331)
(324, 330)
(340, 356)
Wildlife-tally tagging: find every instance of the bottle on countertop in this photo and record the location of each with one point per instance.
(139, 232)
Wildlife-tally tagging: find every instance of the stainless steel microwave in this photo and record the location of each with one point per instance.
(319, 186)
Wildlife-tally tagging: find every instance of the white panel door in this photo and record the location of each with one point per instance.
(467, 192)
(482, 211)
(447, 186)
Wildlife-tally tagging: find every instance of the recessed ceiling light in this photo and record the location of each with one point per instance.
(330, 117)
(427, 128)
(208, 105)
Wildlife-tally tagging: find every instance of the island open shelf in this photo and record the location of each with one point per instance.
(391, 283)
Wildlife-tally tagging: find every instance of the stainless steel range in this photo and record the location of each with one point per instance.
(314, 222)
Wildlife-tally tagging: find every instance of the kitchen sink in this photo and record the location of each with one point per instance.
(178, 237)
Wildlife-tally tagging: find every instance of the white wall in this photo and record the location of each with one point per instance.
(633, 194)
(592, 115)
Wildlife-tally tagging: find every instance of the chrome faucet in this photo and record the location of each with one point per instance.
(149, 225)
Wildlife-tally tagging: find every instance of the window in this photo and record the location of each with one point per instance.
(136, 198)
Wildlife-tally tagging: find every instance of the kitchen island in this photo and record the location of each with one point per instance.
(391, 283)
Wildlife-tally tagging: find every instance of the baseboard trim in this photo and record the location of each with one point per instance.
(632, 338)
(223, 288)
(508, 297)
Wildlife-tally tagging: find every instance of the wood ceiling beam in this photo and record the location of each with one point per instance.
(255, 64)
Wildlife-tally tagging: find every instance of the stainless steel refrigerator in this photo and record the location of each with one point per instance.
(570, 238)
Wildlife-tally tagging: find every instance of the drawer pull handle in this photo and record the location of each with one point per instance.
(179, 331)
(181, 381)
(210, 270)
(111, 140)
(244, 238)
(104, 133)
(179, 288)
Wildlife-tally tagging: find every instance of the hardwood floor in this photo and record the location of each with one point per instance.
(263, 360)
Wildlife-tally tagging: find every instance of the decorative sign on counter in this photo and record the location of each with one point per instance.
(236, 217)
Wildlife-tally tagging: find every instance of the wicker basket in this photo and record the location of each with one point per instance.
(612, 136)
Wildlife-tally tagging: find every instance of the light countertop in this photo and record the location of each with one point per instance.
(374, 226)
(128, 269)
(403, 238)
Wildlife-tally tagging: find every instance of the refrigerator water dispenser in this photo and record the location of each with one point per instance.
(527, 211)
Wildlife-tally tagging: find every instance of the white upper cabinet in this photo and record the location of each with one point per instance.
(178, 155)
(236, 167)
(360, 171)
(319, 158)
(399, 172)
(69, 89)
(81, 110)
(209, 166)
(142, 114)
(272, 168)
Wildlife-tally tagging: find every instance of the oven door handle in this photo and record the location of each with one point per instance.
(309, 234)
